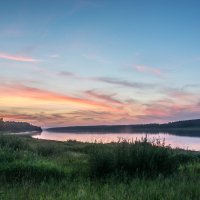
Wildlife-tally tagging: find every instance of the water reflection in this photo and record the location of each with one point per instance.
(185, 142)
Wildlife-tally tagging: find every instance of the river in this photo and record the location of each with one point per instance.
(175, 141)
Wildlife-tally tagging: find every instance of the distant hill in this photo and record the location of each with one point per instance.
(7, 126)
(152, 128)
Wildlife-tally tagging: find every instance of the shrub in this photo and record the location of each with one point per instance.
(140, 158)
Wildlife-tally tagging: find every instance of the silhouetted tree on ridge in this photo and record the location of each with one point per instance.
(11, 126)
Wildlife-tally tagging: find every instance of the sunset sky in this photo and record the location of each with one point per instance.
(91, 62)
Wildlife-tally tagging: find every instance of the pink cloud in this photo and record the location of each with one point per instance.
(166, 110)
(148, 70)
(181, 95)
(16, 57)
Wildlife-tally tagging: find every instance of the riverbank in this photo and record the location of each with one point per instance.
(40, 169)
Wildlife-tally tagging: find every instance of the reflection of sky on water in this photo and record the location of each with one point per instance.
(192, 143)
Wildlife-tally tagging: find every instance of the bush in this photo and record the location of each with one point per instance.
(140, 158)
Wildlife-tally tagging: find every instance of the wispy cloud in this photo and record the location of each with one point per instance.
(165, 110)
(89, 113)
(148, 70)
(36, 95)
(105, 97)
(109, 80)
(124, 83)
(48, 108)
(16, 58)
(181, 95)
(68, 74)
(44, 119)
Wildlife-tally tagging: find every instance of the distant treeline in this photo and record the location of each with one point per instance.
(191, 125)
(6, 126)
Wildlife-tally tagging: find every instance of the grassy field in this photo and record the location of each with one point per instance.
(39, 169)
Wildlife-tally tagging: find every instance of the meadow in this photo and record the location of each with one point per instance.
(40, 169)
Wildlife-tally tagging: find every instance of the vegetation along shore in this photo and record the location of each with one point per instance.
(41, 169)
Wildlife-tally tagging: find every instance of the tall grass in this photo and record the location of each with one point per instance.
(139, 158)
(38, 169)
(13, 142)
(20, 161)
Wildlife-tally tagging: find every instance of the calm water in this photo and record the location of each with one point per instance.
(185, 142)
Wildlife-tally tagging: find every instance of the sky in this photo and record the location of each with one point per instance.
(94, 62)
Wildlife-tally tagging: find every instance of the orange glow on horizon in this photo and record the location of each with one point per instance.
(47, 108)
(23, 95)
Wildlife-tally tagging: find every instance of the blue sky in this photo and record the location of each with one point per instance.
(140, 59)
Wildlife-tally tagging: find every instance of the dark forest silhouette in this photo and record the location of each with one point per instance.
(178, 127)
(10, 126)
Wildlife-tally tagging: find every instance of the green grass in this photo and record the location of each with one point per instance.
(178, 187)
(39, 169)
(141, 158)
